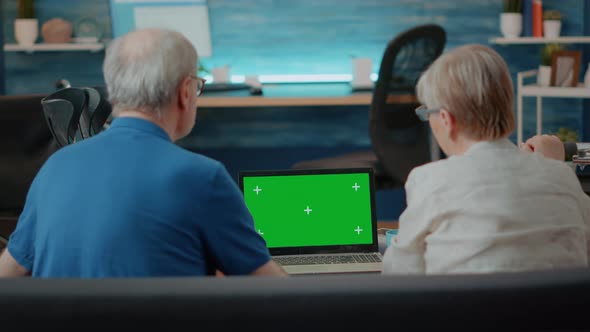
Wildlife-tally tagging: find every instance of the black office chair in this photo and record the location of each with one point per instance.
(97, 113)
(76, 113)
(62, 110)
(400, 141)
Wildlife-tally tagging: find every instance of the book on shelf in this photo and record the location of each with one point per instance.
(527, 18)
(537, 18)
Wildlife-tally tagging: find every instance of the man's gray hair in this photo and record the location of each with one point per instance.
(143, 69)
(474, 84)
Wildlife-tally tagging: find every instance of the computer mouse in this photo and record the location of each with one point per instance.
(256, 91)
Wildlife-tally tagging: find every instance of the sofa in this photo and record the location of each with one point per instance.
(548, 300)
(25, 144)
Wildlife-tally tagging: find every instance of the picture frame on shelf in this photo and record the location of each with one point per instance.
(565, 68)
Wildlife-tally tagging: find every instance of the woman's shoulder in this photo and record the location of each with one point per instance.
(433, 172)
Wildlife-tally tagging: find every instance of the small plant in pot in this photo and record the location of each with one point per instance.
(202, 70)
(511, 19)
(544, 75)
(567, 135)
(551, 23)
(26, 26)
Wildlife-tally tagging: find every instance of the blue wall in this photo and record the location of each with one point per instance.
(298, 37)
(586, 60)
(301, 37)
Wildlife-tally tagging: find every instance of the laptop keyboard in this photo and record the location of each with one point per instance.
(328, 259)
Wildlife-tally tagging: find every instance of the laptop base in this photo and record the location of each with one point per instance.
(369, 267)
(334, 268)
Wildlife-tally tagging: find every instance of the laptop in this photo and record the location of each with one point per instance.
(316, 220)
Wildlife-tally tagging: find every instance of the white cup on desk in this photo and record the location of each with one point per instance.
(220, 74)
(390, 236)
(361, 73)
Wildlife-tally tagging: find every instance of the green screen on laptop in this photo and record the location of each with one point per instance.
(310, 209)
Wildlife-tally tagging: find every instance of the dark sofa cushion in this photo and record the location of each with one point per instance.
(25, 144)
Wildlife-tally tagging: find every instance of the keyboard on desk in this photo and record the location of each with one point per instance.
(327, 259)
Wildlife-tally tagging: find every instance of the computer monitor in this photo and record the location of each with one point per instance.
(190, 17)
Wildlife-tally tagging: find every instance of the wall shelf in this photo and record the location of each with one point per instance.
(540, 40)
(91, 47)
(535, 90)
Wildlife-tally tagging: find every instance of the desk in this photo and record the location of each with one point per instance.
(393, 224)
(295, 94)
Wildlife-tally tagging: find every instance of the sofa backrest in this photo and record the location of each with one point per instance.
(556, 300)
(25, 144)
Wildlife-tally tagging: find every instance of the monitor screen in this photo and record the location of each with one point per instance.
(299, 210)
(190, 17)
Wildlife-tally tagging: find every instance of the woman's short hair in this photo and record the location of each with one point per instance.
(473, 83)
(143, 69)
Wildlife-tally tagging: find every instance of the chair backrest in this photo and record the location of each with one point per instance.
(99, 107)
(62, 110)
(76, 113)
(400, 140)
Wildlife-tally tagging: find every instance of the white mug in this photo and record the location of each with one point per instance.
(389, 236)
(220, 74)
(361, 72)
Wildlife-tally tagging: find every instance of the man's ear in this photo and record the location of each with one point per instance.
(184, 97)
(449, 123)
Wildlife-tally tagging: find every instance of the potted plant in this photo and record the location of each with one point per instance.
(202, 70)
(26, 26)
(567, 134)
(511, 19)
(551, 23)
(544, 75)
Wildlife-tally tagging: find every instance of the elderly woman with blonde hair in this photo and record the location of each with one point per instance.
(488, 207)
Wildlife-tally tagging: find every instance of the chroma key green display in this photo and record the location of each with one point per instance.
(310, 210)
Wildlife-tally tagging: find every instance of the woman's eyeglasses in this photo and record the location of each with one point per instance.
(422, 112)
(200, 84)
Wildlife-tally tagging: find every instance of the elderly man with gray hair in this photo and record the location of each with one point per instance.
(488, 207)
(129, 202)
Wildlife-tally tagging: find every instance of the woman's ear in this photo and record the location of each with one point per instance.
(449, 123)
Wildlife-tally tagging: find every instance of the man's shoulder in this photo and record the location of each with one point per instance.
(193, 168)
(73, 151)
(176, 158)
(184, 157)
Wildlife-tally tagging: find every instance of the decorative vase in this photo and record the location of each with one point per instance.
(544, 76)
(511, 24)
(57, 30)
(551, 28)
(26, 31)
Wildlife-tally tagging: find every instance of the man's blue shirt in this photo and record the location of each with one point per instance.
(129, 202)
